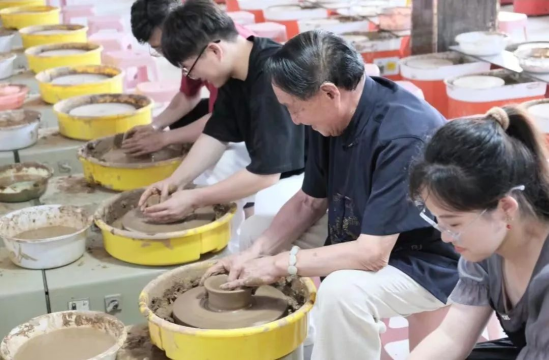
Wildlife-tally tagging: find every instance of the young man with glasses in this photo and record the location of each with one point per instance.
(202, 39)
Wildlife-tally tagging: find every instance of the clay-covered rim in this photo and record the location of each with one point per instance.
(46, 76)
(214, 333)
(89, 47)
(84, 155)
(27, 165)
(30, 117)
(141, 103)
(112, 350)
(31, 30)
(37, 9)
(526, 53)
(492, 73)
(7, 56)
(6, 32)
(465, 37)
(88, 221)
(100, 221)
(531, 103)
(23, 91)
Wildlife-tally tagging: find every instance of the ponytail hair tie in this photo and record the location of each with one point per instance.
(500, 116)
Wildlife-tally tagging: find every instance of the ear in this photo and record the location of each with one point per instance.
(216, 49)
(330, 90)
(510, 207)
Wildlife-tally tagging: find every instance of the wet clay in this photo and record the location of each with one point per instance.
(209, 307)
(66, 344)
(18, 117)
(46, 232)
(134, 220)
(99, 110)
(78, 79)
(51, 32)
(18, 183)
(62, 52)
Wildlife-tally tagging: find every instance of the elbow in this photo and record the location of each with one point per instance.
(314, 205)
(270, 180)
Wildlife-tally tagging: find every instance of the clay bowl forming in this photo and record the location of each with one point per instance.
(162, 249)
(266, 342)
(6, 38)
(53, 93)
(56, 34)
(94, 127)
(47, 253)
(18, 129)
(534, 59)
(89, 54)
(483, 43)
(31, 177)
(21, 17)
(45, 324)
(125, 176)
(12, 96)
(18, 3)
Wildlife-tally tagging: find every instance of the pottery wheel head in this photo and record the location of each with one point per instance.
(209, 307)
(134, 220)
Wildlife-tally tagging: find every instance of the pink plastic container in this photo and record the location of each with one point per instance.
(12, 96)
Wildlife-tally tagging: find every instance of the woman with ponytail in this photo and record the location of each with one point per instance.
(485, 180)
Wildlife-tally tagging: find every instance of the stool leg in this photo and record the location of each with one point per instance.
(525, 34)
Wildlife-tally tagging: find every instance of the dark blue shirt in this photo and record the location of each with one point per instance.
(364, 175)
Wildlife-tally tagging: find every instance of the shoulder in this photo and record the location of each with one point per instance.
(403, 115)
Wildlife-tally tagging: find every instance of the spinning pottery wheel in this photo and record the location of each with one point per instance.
(209, 307)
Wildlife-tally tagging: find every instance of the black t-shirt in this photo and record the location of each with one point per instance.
(364, 175)
(249, 111)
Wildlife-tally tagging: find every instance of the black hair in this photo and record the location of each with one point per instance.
(471, 163)
(192, 26)
(147, 15)
(311, 58)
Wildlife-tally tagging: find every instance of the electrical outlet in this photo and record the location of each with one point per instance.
(80, 305)
(113, 303)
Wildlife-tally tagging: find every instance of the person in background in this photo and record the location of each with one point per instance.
(486, 180)
(202, 39)
(380, 259)
(187, 113)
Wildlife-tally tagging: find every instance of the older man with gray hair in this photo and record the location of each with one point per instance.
(379, 257)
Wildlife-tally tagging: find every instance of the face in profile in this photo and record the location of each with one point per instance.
(209, 65)
(320, 111)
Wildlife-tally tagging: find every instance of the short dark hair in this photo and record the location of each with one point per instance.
(147, 15)
(192, 26)
(311, 58)
(471, 163)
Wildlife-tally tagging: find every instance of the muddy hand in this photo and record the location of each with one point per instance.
(219, 268)
(253, 273)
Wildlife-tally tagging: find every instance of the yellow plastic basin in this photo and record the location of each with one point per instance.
(33, 36)
(124, 176)
(90, 55)
(266, 342)
(169, 249)
(18, 3)
(93, 127)
(21, 17)
(52, 93)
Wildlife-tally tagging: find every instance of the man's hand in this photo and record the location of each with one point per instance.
(179, 205)
(144, 142)
(227, 264)
(254, 273)
(165, 188)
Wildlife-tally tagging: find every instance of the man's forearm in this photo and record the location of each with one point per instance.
(205, 153)
(294, 218)
(180, 106)
(238, 186)
(189, 133)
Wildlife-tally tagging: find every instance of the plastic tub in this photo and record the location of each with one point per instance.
(13, 96)
(482, 43)
(18, 129)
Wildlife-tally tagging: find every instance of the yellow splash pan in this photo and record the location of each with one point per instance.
(94, 127)
(266, 342)
(21, 17)
(165, 249)
(53, 34)
(89, 54)
(18, 3)
(126, 176)
(52, 93)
